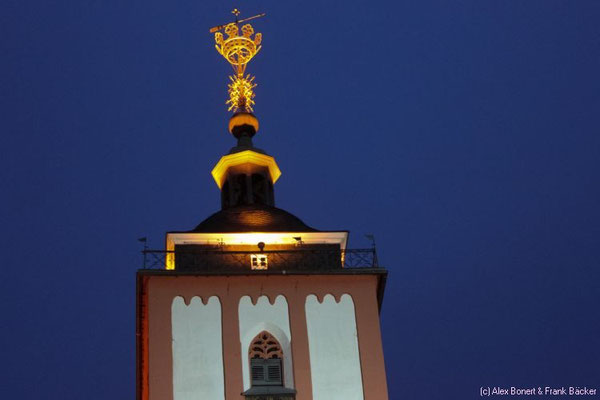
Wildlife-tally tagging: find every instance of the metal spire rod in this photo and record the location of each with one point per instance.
(219, 27)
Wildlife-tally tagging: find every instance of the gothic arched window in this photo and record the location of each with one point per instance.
(265, 356)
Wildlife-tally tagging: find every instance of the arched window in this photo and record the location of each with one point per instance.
(240, 190)
(259, 189)
(265, 360)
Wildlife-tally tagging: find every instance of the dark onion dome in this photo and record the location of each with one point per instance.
(252, 218)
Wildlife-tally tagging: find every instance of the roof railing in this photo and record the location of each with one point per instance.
(302, 259)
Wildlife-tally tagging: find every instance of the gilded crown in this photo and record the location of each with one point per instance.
(238, 50)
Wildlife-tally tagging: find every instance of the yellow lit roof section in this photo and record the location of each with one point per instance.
(219, 172)
(250, 238)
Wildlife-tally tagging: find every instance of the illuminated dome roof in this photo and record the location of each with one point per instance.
(252, 218)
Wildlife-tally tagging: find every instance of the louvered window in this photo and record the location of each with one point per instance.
(266, 372)
(265, 360)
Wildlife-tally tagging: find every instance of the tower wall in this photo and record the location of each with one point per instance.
(294, 308)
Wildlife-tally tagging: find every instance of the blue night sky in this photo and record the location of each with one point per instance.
(463, 134)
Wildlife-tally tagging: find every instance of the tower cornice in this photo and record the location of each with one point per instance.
(246, 157)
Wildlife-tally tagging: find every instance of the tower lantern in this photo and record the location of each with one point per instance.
(253, 303)
(246, 175)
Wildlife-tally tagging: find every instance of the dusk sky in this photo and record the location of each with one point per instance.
(465, 135)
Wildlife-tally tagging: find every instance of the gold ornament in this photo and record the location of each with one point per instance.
(238, 50)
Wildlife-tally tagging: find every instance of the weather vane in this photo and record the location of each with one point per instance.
(238, 50)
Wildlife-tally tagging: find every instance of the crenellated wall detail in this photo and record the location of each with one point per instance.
(265, 316)
(197, 349)
(333, 347)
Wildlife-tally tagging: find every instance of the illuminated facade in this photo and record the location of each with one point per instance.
(252, 303)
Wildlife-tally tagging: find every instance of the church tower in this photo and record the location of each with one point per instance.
(252, 303)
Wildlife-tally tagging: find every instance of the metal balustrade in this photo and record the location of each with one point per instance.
(287, 260)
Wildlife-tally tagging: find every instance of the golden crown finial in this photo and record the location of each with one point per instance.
(238, 50)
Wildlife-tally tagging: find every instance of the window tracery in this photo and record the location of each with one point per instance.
(265, 356)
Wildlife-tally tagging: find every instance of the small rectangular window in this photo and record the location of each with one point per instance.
(258, 373)
(266, 372)
(258, 261)
(274, 373)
